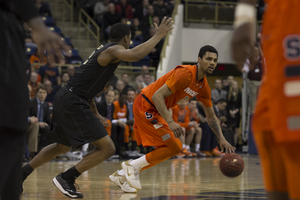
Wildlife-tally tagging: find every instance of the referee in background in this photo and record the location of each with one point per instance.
(14, 75)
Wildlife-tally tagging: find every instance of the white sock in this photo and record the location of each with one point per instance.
(140, 162)
(85, 147)
(187, 147)
(183, 146)
(121, 172)
(197, 147)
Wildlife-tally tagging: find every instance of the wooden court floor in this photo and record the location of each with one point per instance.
(174, 179)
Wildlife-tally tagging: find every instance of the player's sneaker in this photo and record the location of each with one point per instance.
(180, 155)
(67, 187)
(188, 153)
(132, 175)
(121, 182)
(200, 154)
(207, 153)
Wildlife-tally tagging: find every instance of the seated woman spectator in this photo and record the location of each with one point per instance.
(43, 8)
(35, 58)
(234, 103)
(34, 84)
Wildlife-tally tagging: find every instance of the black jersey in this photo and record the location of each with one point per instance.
(91, 77)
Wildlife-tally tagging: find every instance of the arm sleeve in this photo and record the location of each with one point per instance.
(25, 9)
(179, 79)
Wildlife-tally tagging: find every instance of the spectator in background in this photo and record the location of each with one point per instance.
(230, 79)
(64, 80)
(33, 84)
(154, 55)
(106, 109)
(234, 103)
(124, 9)
(100, 8)
(50, 92)
(142, 9)
(35, 58)
(88, 6)
(161, 9)
(110, 18)
(50, 72)
(120, 86)
(43, 8)
(40, 109)
(139, 87)
(120, 119)
(137, 30)
(117, 95)
(146, 80)
(218, 93)
(125, 79)
(145, 70)
(253, 67)
(224, 81)
(148, 19)
(71, 70)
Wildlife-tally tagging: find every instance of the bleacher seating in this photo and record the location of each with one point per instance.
(49, 21)
(30, 49)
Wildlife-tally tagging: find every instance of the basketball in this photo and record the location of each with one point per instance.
(231, 165)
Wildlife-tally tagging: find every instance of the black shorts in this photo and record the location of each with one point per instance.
(73, 122)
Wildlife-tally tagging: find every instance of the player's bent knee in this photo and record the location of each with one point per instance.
(62, 148)
(176, 146)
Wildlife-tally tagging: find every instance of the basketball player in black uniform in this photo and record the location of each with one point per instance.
(76, 120)
(14, 75)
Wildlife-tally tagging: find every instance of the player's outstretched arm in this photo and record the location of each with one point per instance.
(214, 124)
(142, 50)
(159, 102)
(243, 36)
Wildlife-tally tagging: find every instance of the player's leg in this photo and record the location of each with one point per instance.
(189, 136)
(182, 139)
(291, 156)
(104, 149)
(273, 167)
(45, 155)
(11, 151)
(198, 137)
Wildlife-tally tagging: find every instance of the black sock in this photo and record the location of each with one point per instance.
(26, 170)
(142, 149)
(133, 145)
(70, 174)
(126, 146)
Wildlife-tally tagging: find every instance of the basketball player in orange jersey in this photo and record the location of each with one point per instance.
(154, 125)
(276, 122)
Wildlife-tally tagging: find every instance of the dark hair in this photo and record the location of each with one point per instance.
(224, 78)
(123, 93)
(221, 101)
(193, 99)
(119, 31)
(207, 48)
(130, 89)
(41, 87)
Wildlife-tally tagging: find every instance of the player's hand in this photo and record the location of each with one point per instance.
(165, 26)
(242, 42)
(192, 124)
(43, 124)
(33, 120)
(47, 40)
(224, 145)
(176, 129)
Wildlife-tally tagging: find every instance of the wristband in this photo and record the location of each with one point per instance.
(244, 13)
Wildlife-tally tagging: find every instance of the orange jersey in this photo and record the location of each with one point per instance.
(184, 85)
(119, 112)
(181, 116)
(277, 106)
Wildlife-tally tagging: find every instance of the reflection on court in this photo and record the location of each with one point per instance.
(174, 179)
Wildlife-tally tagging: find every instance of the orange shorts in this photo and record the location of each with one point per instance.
(108, 129)
(149, 127)
(280, 164)
(127, 133)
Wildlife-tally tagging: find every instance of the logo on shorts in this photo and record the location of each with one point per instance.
(148, 115)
